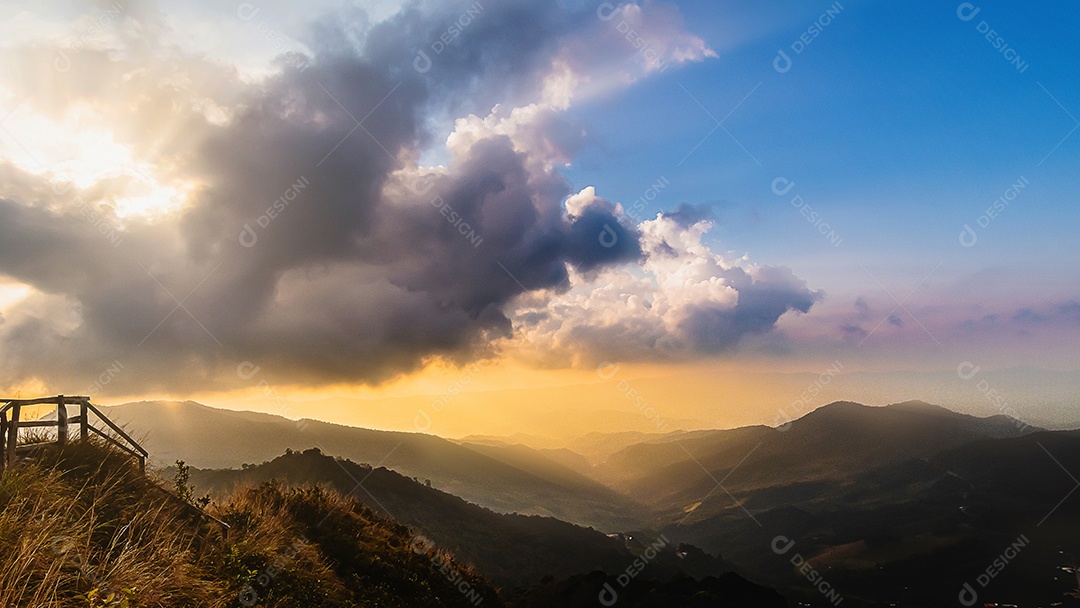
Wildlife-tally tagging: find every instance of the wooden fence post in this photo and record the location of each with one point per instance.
(61, 421)
(13, 434)
(84, 431)
(3, 440)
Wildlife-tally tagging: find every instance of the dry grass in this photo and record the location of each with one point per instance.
(82, 526)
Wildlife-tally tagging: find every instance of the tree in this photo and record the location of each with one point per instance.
(184, 489)
(182, 482)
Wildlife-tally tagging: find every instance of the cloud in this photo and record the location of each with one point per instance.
(680, 300)
(1052, 316)
(853, 332)
(862, 309)
(304, 235)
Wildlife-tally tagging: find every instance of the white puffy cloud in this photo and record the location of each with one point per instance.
(682, 299)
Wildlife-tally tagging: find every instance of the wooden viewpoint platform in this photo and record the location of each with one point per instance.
(11, 423)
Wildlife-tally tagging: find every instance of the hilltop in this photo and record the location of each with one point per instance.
(81, 526)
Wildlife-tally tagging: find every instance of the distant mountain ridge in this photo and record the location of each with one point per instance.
(640, 474)
(835, 441)
(207, 437)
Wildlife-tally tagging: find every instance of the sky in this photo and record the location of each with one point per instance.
(558, 215)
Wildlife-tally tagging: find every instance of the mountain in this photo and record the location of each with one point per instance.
(595, 447)
(212, 438)
(941, 521)
(562, 466)
(832, 443)
(512, 550)
(896, 505)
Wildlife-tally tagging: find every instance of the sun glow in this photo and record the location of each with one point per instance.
(12, 293)
(81, 151)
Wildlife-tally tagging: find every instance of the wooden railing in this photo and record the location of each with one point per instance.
(11, 423)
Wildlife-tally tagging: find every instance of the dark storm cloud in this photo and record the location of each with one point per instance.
(312, 244)
(596, 238)
(354, 273)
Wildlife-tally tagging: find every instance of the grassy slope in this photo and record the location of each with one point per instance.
(82, 527)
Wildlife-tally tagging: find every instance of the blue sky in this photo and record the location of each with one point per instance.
(899, 124)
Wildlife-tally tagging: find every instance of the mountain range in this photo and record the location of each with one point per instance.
(897, 505)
